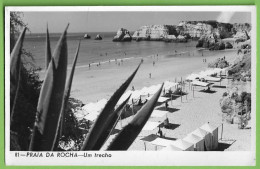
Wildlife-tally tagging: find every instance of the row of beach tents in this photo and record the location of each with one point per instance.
(204, 138)
(91, 110)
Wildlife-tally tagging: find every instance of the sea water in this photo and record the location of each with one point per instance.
(95, 51)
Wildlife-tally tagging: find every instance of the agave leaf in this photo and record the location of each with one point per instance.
(111, 124)
(48, 49)
(50, 99)
(129, 133)
(15, 69)
(98, 127)
(65, 99)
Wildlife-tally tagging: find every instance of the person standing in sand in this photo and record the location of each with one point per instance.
(150, 75)
(153, 63)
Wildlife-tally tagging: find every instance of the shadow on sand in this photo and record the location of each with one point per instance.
(208, 91)
(169, 109)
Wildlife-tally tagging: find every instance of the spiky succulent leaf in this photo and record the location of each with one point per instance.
(48, 49)
(66, 97)
(98, 127)
(15, 66)
(111, 124)
(129, 133)
(50, 99)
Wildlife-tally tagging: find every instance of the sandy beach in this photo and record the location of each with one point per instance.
(98, 82)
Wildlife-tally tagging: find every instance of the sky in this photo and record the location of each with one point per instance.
(111, 21)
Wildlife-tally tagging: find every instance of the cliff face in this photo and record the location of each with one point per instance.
(153, 32)
(208, 32)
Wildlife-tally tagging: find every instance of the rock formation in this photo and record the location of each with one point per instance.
(98, 37)
(122, 35)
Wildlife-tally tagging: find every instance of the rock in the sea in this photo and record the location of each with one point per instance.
(98, 37)
(87, 36)
(122, 35)
(127, 37)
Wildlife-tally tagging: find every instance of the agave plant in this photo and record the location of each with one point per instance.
(15, 70)
(53, 100)
(50, 99)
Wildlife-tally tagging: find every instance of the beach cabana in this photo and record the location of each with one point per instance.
(213, 133)
(156, 141)
(197, 141)
(206, 136)
(158, 113)
(151, 125)
(161, 142)
(183, 145)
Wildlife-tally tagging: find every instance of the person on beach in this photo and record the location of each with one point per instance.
(160, 133)
(166, 123)
(166, 105)
(150, 75)
(142, 60)
(153, 63)
(88, 66)
(133, 88)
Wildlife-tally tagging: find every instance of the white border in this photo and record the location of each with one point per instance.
(137, 158)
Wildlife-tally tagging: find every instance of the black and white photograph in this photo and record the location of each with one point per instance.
(130, 85)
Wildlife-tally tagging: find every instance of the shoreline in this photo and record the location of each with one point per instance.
(103, 80)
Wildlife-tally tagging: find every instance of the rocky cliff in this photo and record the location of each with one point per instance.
(207, 32)
(122, 35)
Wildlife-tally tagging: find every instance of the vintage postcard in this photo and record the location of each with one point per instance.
(130, 86)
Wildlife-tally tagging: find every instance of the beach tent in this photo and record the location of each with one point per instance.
(158, 113)
(171, 148)
(150, 125)
(162, 142)
(206, 136)
(183, 145)
(197, 141)
(199, 83)
(214, 135)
